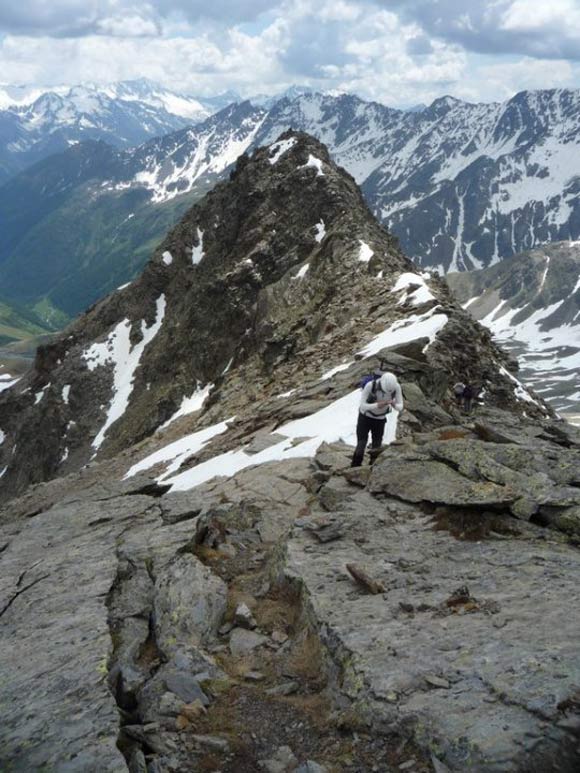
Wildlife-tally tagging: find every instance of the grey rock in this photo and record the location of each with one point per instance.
(137, 762)
(170, 705)
(243, 641)
(434, 482)
(243, 617)
(186, 687)
(254, 676)
(311, 767)
(287, 688)
(262, 441)
(190, 602)
(400, 656)
(213, 742)
(283, 761)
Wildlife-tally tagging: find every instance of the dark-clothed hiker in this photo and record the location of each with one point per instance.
(468, 397)
(379, 397)
(458, 393)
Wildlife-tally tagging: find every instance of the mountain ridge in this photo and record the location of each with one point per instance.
(460, 185)
(243, 598)
(239, 245)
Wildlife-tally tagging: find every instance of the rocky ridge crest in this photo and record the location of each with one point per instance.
(278, 274)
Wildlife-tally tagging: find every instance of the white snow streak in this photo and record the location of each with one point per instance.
(365, 252)
(320, 231)
(117, 351)
(190, 404)
(333, 423)
(197, 251)
(415, 288)
(179, 451)
(302, 273)
(314, 162)
(280, 147)
(338, 369)
(427, 325)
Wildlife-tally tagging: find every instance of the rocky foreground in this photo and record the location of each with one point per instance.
(303, 614)
(192, 576)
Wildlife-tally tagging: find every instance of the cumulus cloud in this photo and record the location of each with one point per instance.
(395, 51)
(534, 28)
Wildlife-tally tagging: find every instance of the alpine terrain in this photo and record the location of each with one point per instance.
(36, 123)
(194, 578)
(531, 304)
(461, 185)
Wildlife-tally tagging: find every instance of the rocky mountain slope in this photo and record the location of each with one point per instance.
(462, 186)
(244, 600)
(123, 114)
(531, 304)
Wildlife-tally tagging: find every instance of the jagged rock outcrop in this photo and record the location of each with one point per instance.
(217, 589)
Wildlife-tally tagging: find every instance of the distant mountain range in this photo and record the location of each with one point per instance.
(461, 185)
(531, 303)
(36, 125)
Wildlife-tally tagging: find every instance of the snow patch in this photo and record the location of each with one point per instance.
(320, 231)
(302, 273)
(167, 258)
(287, 394)
(7, 382)
(197, 253)
(190, 404)
(280, 147)
(314, 162)
(176, 453)
(365, 252)
(415, 288)
(333, 371)
(426, 325)
(331, 424)
(39, 395)
(65, 393)
(116, 350)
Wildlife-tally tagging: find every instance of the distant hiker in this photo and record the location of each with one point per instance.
(458, 390)
(379, 396)
(469, 393)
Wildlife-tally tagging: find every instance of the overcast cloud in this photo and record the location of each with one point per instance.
(395, 51)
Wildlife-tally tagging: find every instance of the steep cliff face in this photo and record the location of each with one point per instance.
(531, 303)
(282, 258)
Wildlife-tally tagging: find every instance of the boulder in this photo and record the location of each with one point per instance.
(430, 481)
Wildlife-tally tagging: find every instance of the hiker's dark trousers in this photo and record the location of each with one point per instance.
(365, 425)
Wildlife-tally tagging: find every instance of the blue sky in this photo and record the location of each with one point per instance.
(399, 52)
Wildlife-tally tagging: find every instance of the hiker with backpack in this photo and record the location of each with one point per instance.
(469, 394)
(380, 395)
(458, 390)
